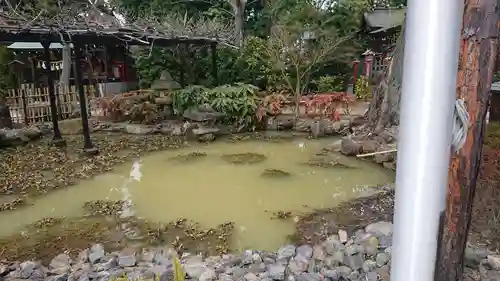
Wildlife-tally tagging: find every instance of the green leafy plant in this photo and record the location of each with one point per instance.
(362, 87)
(188, 98)
(329, 83)
(179, 274)
(237, 102)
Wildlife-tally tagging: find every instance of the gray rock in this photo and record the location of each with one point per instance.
(355, 262)
(127, 257)
(298, 264)
(204, 130)
(382, 259)
(161, 273)
(60, 261)
(37, 275)
(338, 257)
(194, 268)
(353, 276)
(60, 277)
(96, 253)
(15, 274)
(60, 264)
(286, 252)
(225, 277)
(343, 271)
(109, 264)
(84, 277)
(303, 125)
(231, 260)
(318, 253)
(494, 261)
(276, 271)
(208, 275)
(237, 272)
(27, 269)
(371, 276)
(380, 228)
(330, 263)
(256, 258)
(251, 277)
(317, 129)
(305, 250)
(353, 249)
(247, 257)
(332, 274)
(257, 267)
(349, 147)
(369, 265)
(137, 129)
(332, 244)
(305, 276)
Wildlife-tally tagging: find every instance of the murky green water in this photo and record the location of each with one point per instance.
(212, 191)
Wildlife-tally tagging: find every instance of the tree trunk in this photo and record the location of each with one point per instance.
(384, 106)
(239, 20)
(478, 49)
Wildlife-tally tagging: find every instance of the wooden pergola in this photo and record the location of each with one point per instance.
(94, 27)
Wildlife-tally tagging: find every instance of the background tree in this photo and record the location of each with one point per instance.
(301, 43)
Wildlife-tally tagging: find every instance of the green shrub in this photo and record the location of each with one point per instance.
(362, 87)
(237, 102)
(329, 83)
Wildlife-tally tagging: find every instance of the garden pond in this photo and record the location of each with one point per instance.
(255, 184)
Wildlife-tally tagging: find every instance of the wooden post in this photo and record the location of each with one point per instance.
(478, 49)
(57, 139)
(88, 147)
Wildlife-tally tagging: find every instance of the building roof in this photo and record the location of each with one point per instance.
(382, 19)
(93, 26)
(33, 46)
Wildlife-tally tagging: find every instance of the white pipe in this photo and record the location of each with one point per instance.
(432, 37)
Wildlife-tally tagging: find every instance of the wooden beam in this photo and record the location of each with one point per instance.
(57, 139)
(88, 147)
(478, 49)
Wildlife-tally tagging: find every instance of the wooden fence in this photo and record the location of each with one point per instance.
(37, 103)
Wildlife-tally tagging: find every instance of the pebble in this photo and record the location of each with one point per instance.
(343, 236)
(363, 257)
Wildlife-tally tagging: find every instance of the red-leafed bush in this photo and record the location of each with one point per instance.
(326, 105)
(272, 105)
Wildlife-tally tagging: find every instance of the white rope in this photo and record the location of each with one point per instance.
(460, 125)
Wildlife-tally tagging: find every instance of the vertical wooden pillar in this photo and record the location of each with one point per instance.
(478, 49)
(57, 139)
(88, 147)
(213, 48)
(125, 65)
